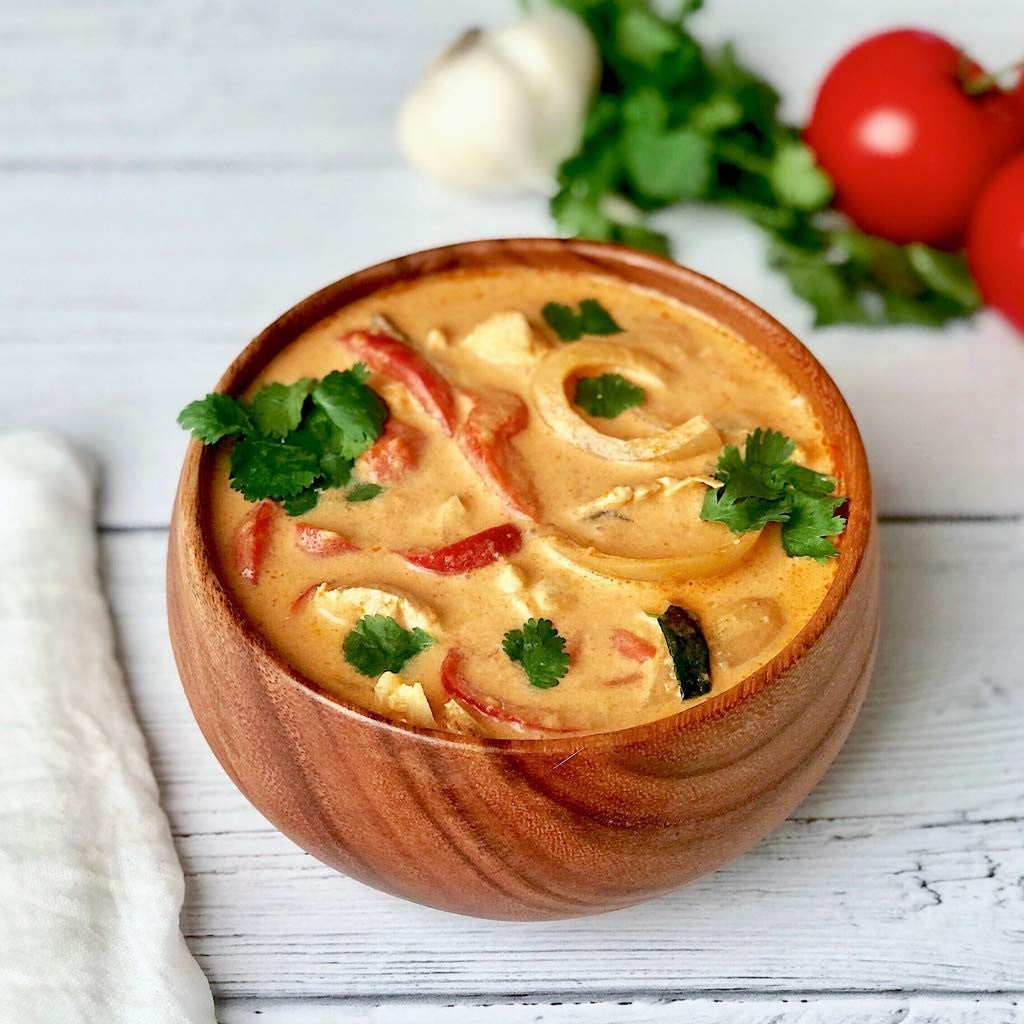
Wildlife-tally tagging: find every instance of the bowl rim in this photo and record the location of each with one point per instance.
(771, 335)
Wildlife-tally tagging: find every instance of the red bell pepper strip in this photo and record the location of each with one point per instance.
(631, 646)
(393, 358)
(251, 541)
(485, 440)
(302, 600)
(632, 677)
(489, 707)
(321, 543)
(392, 455)
(470, 553)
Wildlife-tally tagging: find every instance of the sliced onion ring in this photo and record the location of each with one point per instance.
(671, 568)
(694, 437)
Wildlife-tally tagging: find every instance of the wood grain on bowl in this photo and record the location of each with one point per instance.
(528, 829)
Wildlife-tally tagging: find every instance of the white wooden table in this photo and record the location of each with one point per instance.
(172, 176)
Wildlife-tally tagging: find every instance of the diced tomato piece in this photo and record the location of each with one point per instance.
(321, 543)
(252, 540)
(301, 601)
(393, 358)
(490, 707)
(470, 553)
(631, 646)
(392, 455)
(485, 440)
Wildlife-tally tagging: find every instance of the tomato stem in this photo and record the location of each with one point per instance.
(975, 82)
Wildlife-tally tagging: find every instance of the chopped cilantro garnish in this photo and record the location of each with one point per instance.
(673, 122)
(289, 448)
(763, 485)
(608, 395)
(592, 318)
(379, 644)
(214, 417)
(363, 492)
(540, 650)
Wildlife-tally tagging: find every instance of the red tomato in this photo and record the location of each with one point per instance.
(252, 540)
(392, 455)
(907, 147)
(485, 440)
(483, 704)
(321, 543)
(395, 359)
(995, 243)
(631, 646)
(470, 553)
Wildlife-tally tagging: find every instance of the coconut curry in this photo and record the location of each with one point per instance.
(522, 504)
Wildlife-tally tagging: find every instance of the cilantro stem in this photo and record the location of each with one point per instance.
(743, 158)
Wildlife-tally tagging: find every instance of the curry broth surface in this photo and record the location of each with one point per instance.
(748, 614)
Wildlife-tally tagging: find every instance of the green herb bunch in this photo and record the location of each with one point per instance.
(674, 123)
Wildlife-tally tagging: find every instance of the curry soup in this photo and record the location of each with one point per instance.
(521, 551)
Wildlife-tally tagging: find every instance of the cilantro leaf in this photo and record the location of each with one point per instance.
(688, 649)
(355, 409)
(378, 644)
(540, 650)
(277, 408)
(668, 166)
(271, 469)
(592, 318)
(214, 417)
(563, 321)
(796, 178)
(764, 485)
(363, 492)
(303, 502)
(811, 522)
(595, 319)
(608, 395)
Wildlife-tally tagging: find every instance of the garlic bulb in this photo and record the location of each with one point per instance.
(501, 110)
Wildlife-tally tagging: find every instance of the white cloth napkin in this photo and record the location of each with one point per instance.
(90, 887)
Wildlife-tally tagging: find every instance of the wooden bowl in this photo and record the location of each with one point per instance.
(528, 829)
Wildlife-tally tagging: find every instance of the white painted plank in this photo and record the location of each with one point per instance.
(740, 1010)
(129, 293)
(903, 870)
(307, 82)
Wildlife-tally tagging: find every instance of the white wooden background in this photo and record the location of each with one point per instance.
(174, 175)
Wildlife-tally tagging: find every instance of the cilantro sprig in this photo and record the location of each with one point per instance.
(570, 325)
(540, 650)
(379, 644)
(293, 440)
(674, 123)
(764, 485)
(608, 395)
